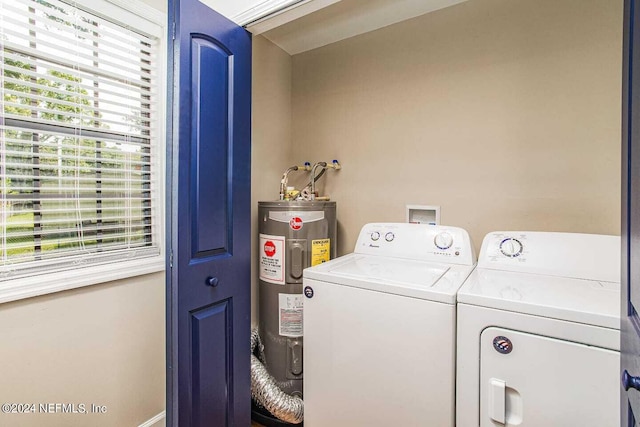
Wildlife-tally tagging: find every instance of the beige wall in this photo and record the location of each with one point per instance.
(271, 134)
(102, 344)
(506, 113)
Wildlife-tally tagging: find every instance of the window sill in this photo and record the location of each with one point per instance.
(42, 284)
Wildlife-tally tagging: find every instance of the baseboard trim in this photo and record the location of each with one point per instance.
(152, 421)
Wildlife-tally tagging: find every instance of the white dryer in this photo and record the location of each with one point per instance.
(379, 329)
(538, 332)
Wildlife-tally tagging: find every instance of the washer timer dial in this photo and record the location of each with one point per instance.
(443, 240)
(511, 247)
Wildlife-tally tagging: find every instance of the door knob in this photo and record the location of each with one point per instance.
(629, 381)
(212, 281)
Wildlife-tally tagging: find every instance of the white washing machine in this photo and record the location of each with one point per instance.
(538, 332)
(379, 329)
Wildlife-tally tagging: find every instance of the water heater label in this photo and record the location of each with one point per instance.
(320, 251)
(290, 309)
(272, 259)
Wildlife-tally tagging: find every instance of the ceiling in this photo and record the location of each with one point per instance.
(347, 18)
(231, 8)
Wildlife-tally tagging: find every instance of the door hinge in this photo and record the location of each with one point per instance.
(171, 259)
(173, 31)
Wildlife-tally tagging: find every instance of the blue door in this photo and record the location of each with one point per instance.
(630, 319)
(208, 298)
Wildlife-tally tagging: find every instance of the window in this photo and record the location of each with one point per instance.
(80, 125)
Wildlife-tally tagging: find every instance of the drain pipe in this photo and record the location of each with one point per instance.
(266, 392)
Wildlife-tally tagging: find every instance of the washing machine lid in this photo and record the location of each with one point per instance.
(590, 302)
(425, 280)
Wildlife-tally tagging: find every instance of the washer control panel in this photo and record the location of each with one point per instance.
(417, 241)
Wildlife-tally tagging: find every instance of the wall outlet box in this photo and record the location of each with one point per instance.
(422, 214)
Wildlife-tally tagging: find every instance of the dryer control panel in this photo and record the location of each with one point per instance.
(422, 242)
(581, 256)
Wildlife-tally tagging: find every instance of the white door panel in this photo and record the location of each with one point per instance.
(546, 382)
(377, 359)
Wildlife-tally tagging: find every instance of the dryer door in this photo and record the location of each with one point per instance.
(531, 380)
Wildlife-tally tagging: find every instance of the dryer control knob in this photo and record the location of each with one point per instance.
(389, 236)
(511, 247)
(375, 236)
(443, 240)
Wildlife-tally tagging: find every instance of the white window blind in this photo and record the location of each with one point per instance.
(77, 130)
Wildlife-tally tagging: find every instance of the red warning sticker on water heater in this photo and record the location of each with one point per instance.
(269, 248)
(295, 223)
(272, 259)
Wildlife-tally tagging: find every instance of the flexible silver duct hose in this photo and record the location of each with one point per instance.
(266, 392)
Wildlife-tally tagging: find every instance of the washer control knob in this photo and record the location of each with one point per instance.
(511, 247)
(375, 236)
(443, 240)
(389, 236)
